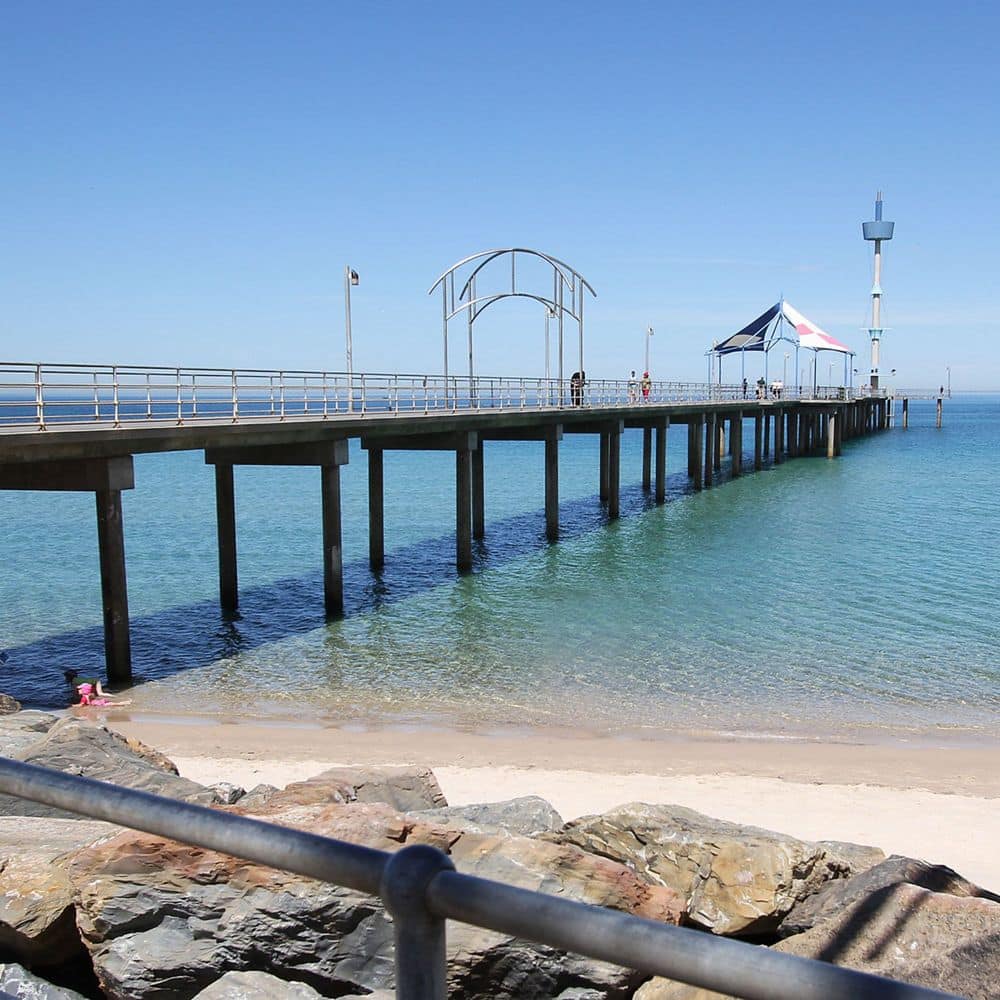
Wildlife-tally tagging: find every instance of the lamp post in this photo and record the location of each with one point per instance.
(948, 370)
(350, 278)
(649, 336)
(784, 371)
(831, 373)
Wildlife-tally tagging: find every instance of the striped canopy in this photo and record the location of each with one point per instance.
(760, 333)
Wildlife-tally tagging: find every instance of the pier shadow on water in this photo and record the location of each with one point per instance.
(194, 635)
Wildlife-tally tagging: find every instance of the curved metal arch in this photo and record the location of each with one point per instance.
(553, 307)
(562, 267)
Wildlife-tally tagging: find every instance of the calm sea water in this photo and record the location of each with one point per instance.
(845, 597)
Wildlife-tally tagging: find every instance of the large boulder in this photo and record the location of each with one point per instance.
(528, 815)
(256, 986)
(833, 897)
(404, 788)
(262, 986)
(19, 983)
(22, 730)
(943, 941)
(37, 918)
(737, 880)
(161, 919)
(79, 747)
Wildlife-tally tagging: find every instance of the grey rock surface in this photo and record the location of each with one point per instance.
(256, 986)
(37, 918)
(404, 788)
(833, 897)
(858, 857)
(527, 816)
(80, 747)
(18, 982)
(934, 939)
(22, 730)
(736, 879)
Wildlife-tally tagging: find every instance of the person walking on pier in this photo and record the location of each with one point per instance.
(633, 388)
(646, 384)
(576, 383)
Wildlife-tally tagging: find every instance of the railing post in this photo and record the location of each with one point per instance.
(236, 403)
(281, 395)
(149, 399)
(326, 408)
(180, 404)
(364, 396)
(114, 394)
(421, 967)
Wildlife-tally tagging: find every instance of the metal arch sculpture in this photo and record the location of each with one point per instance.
(565, 279)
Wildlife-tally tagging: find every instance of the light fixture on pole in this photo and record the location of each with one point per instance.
(649, 335)
(350, 278)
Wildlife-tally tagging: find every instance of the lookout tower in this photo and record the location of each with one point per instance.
(877, 231)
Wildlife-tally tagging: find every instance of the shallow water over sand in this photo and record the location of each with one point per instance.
(845, 597)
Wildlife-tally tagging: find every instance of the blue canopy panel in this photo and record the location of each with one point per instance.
(752, 336)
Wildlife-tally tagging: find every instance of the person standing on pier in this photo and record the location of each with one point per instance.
(646, 384)
(633, 388)
(576, 383)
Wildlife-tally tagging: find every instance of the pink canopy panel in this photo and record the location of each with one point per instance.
(810, 335)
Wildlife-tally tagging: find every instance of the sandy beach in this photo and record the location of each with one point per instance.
(936, 802)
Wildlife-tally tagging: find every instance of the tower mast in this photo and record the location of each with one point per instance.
(876, 232)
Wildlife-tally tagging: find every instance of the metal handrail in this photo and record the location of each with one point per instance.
(113, 396)
(421, 890)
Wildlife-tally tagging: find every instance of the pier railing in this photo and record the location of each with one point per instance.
(42, 395)
(421, 890)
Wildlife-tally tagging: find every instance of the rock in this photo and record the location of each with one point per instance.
(9, 705)
(255, 986)
(943, 941)
(527, 816)
(22, 730)
(227, 793)
(834, 896)
(668, 989)
(737, 880)
(78, 747)
(19, 983)
(857, 857)
(257, 797)
(37, 919)
(403, 788)
(262, 986)
(161, 919)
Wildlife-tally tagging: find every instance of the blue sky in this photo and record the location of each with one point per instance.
(184, 182)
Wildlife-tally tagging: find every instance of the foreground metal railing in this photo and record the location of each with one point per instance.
(45, 395)
(421, 889)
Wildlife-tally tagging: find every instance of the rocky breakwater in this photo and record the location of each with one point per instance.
(109, 912)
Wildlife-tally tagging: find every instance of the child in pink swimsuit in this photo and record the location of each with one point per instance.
(93, 695)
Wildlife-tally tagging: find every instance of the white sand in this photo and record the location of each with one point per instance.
(961, 831)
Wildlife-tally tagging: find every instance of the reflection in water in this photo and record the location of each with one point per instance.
(817, 594)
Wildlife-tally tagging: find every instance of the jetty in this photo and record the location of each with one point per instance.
(78, 428)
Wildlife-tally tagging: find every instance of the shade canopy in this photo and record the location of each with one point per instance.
(761, 333)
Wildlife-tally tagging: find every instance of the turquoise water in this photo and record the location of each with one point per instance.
(858, 595)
